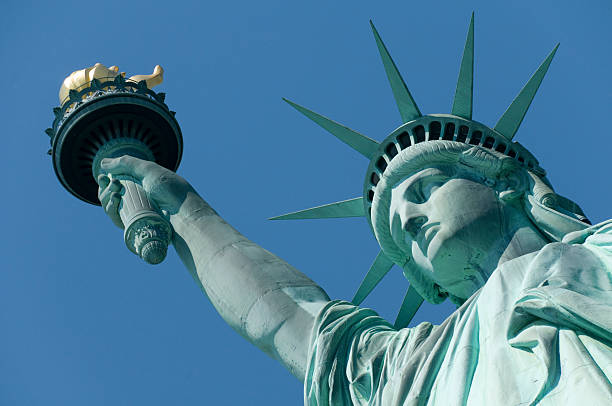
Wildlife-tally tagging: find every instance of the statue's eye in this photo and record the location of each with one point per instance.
(422, 190)
(428, 189)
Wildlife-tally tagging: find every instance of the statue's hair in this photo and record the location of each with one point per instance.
(537, 197)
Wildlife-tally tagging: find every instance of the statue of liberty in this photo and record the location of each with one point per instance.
(469, 216)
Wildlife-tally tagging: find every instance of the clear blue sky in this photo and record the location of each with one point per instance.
(85, 322)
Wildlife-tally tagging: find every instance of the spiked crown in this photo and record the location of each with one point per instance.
(418, 128)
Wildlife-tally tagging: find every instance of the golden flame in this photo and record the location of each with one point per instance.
(80, 78)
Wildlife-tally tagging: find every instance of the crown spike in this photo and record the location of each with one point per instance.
(410, 305)
(343, 209)
(380, 267)
(359, 142)
(405, 103)
(462, 104)
(510, 121)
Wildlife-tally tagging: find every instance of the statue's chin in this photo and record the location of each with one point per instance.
(447, 262)
(464, 288)
(454, 271)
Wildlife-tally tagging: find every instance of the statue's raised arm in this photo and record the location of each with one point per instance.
(259, 295)
(122, 132)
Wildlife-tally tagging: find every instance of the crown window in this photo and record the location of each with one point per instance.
(449, 131)
(391, 150)
(370, 195)
(475, 138)
(434, 130)
(419, 134)
(463, 132)
(501, 147)
(374, 178)
(381, 164)
(404, 140)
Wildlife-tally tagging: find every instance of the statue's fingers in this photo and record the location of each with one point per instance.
(112, 208)
(107, 185)
(112, 205)
(103, 181)
(128, 165)
(115, 185)
(104, 195)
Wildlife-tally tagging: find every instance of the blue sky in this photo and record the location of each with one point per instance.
(84, 321)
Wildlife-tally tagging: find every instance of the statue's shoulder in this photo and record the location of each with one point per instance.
(581, 236)
(580, 261)
(582, 257)
(597, 239)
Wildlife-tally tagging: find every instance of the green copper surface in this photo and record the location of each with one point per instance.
(411, 303)
(511, 120)
(405, 103)
(462, 104)
(346, 208)
(380, 267)
(360, 143)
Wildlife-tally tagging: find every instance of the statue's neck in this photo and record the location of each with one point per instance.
(518, 237)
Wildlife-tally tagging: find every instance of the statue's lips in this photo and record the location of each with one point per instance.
(426, 234)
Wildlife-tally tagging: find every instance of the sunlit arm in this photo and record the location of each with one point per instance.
(266, 300)
(263, 298)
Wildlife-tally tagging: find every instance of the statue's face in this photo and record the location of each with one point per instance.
(449, 223)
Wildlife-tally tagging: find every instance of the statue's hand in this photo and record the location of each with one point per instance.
(109, 194)
(164, 187)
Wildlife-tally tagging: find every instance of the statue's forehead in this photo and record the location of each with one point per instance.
(438, 170)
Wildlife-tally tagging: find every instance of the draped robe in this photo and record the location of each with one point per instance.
(538, 332)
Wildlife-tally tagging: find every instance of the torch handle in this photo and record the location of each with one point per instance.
(147, 233)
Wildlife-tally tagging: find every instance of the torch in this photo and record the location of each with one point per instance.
(103, 115)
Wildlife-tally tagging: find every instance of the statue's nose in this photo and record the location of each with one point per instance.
(412, 224)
